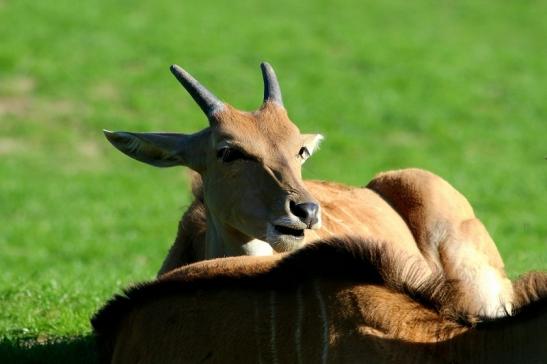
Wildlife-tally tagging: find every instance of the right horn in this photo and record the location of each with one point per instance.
(208, 102)
(272, 91)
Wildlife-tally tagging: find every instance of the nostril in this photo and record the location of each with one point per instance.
(292, 207)
(307, 211)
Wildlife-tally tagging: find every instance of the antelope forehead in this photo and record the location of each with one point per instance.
(265, 126)
(255, 141)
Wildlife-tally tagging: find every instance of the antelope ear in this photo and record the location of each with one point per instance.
(311, 142)
(160, 149)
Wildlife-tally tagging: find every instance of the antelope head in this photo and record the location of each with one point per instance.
(250, 164)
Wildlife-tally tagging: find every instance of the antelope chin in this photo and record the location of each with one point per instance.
(284, 239)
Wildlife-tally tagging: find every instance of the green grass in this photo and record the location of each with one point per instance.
(458, 88)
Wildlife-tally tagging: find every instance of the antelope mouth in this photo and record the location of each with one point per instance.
(284, 230)
(285, 236)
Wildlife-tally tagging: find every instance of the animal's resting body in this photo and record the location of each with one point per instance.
(412, 281)
(254, 201)
(436, 229)
(337, 301)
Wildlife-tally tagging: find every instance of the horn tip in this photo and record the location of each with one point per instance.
(114, 136)
(272, 90)
(108, 133)
(176, 69)
(265, 65)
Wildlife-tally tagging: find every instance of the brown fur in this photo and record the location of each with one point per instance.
(448, 234)
(246, 309)
(435, 212)
(418, 213)
(531, 287)
(346, 211)
(250, 200)
(192, 228)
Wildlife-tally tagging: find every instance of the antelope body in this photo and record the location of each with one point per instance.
(254, 201)
(337, 301)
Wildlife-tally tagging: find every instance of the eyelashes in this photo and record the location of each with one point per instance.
(228, 155)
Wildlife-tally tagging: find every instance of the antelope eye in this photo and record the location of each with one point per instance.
(304, 153)
(228, 155)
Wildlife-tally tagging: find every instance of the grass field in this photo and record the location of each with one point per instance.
(458, 88)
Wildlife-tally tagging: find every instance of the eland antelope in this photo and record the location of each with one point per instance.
(252, 199)
(342, 300)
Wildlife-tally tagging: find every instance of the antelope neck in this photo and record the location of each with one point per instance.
(222, 240)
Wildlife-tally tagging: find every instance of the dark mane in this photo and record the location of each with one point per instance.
(529, 288)
(341, 258)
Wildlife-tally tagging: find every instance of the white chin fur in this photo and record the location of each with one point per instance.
(257, 248)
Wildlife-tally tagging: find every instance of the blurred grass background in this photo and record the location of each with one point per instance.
(458, 88)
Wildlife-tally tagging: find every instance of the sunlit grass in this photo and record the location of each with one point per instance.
(458, 88)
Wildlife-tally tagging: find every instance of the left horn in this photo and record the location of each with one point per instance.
(208, 102)
(272, 91)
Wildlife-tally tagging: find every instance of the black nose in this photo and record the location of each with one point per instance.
(307, 212)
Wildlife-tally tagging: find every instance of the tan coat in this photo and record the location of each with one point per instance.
(254, 201)
(418, 213)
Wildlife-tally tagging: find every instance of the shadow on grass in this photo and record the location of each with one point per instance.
(79, 350)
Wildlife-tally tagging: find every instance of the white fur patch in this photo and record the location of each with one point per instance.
(257, 248)
(314, 143)
(311, 142)
(489, 293)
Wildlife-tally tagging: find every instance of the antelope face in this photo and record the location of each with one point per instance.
(253, 178)
(250, 163)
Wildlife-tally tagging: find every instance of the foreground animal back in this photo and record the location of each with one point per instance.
(339, 301)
